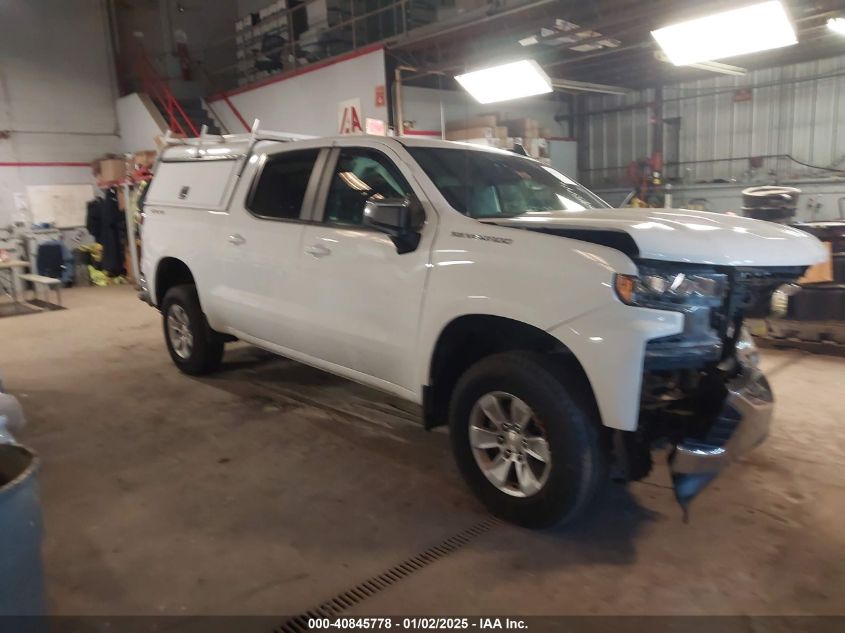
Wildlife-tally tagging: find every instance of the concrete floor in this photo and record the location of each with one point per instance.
(272, 487)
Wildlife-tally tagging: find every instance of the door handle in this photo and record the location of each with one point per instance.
(237, 239)
(318, 250)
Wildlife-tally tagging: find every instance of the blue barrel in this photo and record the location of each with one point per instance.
(21, 571)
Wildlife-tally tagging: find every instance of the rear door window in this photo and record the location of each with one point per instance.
(280, 190)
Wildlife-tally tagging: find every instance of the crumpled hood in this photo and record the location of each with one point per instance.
(683, 235)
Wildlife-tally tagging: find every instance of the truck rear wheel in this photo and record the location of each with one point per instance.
(524, 441)
(195, 348)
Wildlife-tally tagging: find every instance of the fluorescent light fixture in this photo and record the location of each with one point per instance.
(758, 27)
(837, 25)
(584, 86)
(718, 67)
(715, 67)
(508, 81)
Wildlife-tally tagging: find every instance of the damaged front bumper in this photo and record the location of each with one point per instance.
(742, 424)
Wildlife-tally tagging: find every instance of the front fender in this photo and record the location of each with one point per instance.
(609, 342)
(541, 280)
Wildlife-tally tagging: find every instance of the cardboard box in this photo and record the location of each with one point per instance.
(474, 122)
(111, 169)
(525, 128)
(532, 146)
(471, 133)
(543, 147)
(820, 272)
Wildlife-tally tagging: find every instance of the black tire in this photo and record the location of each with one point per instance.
(206, 351)
(569, 421)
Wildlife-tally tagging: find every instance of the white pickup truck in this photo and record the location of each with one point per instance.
(557, 337)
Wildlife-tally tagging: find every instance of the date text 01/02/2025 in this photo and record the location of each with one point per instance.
(417, 624)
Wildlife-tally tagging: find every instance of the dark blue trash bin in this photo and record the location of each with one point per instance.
(21, 571)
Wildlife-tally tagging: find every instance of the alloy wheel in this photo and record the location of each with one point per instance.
(179, 331)
(509, 444)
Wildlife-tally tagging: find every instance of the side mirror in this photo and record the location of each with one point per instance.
(400, 218)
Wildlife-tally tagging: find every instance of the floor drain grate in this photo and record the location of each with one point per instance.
(337, 605)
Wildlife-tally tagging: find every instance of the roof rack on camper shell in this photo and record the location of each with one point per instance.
(220, 146)
(255, 134)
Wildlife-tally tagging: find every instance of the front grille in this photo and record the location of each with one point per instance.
(751, 284)
(750, 291)
(710, 332)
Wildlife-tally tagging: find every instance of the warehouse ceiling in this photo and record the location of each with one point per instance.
(597, 41)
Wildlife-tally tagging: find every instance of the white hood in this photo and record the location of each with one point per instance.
(682, 235)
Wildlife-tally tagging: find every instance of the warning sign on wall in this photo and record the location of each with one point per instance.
(349, 117)
(375, 126)
(381, 99)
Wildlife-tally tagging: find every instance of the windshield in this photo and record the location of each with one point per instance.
(492, 185)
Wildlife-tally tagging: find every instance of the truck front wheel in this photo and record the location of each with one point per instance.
(195, 348)
(526, 440)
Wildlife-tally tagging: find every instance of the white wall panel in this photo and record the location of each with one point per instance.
(308, 103)
(796, 110)
(140, 123)
(422, 106)
(56, 93)
(618, 136)
(819, 199)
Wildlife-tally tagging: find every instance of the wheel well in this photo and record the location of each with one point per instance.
(468, 339)
(171, 272)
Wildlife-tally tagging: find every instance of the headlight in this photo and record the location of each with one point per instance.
(657, 288)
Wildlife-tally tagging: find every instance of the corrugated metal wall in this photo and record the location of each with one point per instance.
(797, 110)
(618, 131)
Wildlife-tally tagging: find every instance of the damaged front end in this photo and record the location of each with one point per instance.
(741, 424)
(702, 392)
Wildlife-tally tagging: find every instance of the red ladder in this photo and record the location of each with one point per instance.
(159, 91)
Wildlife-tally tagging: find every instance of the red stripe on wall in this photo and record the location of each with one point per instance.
(47, 164)
(300, 71)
